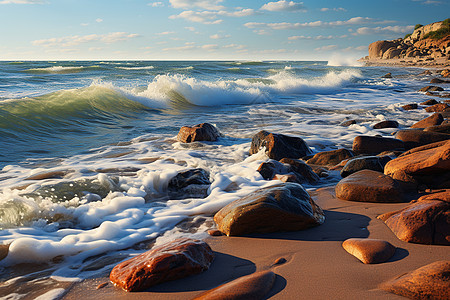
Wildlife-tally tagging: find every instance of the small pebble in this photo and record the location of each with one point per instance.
(214, 232)
(280, 261)
(101, 285)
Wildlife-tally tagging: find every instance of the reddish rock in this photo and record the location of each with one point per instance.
(443, 128)
(387, 75)
(434, 119)
(286, 178)
(303, 172)
(270, 168)
(253, 286)
(428, 282)
(374, 163)
(288, 170)
(369, 186)
(374, 145)
(4, 249)
(413, 138)
(440, 107)
(425, 221)
(283, 207)
(429, 102)
(431, 88)
(369, 251)
(386, 124)
(199, 132)
(348, 123)
(279, 146)
(410, 106)
(377, 49)
(445, 73)
(330, 157)
(214, 232)
(438, 80)
(177, 259)
(279, 261)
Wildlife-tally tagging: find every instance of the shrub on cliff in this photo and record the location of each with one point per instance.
(417, 26)
(441, 33)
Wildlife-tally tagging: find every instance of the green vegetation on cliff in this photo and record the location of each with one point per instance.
(439, 34)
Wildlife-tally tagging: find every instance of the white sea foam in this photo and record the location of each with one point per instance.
(337, 60)
(60, 69)
(136, 68)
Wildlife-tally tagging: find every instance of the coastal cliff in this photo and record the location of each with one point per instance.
(427, 45)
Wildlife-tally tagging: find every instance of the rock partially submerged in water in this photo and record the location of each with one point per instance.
(369, 251)
(386, 124)
(278, 146)
(177, 259)
(428, 282)
(189, 183)
(434, 119)
(332, 157)
(199, 132)
(374, 163)
(374, 145)
(413, 138)
(369, 186)
(253, 286)
(439, 107)
(288, 170)
(283, 207)
(4, 249)
(431, 88)
(429, 102)
(410, 106)
(426, 221)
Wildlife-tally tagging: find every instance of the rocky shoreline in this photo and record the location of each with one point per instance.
(390, 209)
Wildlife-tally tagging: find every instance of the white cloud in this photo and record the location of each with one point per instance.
(156, 4)
(326, 48)
(319, 37)
(98, 20)
(219, 36)
(23, 2)
(70, 41)
(283, 5)
(190, 28)
(333, 9)
(271, 51)
(285, 25)
(234, 46)
(384, 30)
(166, 33)
(210, 47)
(261, 32)
(428, 1)
(211, 17)
(205, 4)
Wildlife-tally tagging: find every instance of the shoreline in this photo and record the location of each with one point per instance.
(412, 63)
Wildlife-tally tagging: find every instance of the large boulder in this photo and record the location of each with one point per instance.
(374, 145)
(444, 128)
(425, 221)
(386, 124)
(253, 286)
(369, 186)
(283, 207)
(278, 146)
(374, 163)
(392, 53)
(189, 183)
(376, 49)
(428, 282)
(199, 132)
(332, 158)
(434, 119)
(439, 107)
(413, 138)
(177, 259)
(369, 251)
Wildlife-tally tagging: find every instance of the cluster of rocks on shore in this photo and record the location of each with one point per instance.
(414, 164)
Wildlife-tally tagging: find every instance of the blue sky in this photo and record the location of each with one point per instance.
(205, 29)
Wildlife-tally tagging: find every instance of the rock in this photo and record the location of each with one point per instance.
(270, 168)
(283, 207)
(390, 54)
(190, 183)
(288, 170)
(413, 138)
(438, 108)
(428, 282)
(348, 123)
(410, 106)
(330, 157)
(4, 249)
(374, 145)
(304, 173)
(369, 251)
(279, 146)
(386, 124)
(199, 132)
(253, 286)
(177, 259)
(374, 163)
(427, 164)
(369, 186)
(286, 178)
(425, 221)
(445, 73)
(48, 175)
(438, 80)
(429, 102)
(434, 119)
(214, 232)
(445, 128)
(388, 75)
(279, 261)
(431, 88)
(376, 49)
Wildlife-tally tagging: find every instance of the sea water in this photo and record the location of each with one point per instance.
(87, 149)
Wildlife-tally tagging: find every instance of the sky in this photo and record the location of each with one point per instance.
(205, 29)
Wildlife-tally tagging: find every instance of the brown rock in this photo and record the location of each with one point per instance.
(426, 221)
(374, 163)
(270, 168)
(4, 249)
(286, 178)
(410, 106)
(387, 75)
(445, 128)
(438, 80)
(369, 251)
(47, 175)
(348, 123)
(283, 207)
(279, 261)
(413, 138)
(369, 186)
(253, 286)
(279, 146)
(177, 259)
(199, 132)
(428, 282)
(437, 107)
(434, 119)
(214, 232)
(376, 49)
(374, 145)
(288, 170)
(445, 73)
(330, 157)
(303, 172)
(386, 124)
(431, 88)
(429, 102)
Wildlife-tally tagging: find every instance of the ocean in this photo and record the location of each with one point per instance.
(87, 149)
